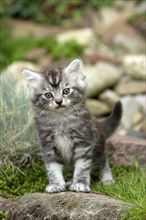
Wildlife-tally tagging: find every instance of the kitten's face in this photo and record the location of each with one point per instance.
(56, 89)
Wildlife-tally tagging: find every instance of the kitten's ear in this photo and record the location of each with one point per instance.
(74, 66)
(75, 74)
(31, 76)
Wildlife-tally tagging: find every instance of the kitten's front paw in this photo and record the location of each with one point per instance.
(79, 187)
(55, 188)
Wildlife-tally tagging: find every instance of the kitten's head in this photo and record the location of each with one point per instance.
(56, 89)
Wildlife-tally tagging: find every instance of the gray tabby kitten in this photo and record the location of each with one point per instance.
(69, 134)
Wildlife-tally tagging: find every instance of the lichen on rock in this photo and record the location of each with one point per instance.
(66, 206)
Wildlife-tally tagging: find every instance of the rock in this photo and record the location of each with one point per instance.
(141, 99)
(109, 97)
(127, 150)
(141, 126)
(130, 108)
(25, 28)
(4, 204)
(132, 43)
(105, 18)
(124, 5)
(103, 53)
(140, 8)
(35, 54)
(139, 120)
(135, 66)
(109, 15)
(140, 25)
(131, 87)
(67, 205)
(82, 36)
(136, 134)
(99, 77)
(97, 108)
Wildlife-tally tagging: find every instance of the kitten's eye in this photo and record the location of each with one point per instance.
(66, 91)
(48, 95)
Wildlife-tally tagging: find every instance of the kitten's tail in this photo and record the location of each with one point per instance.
(110, 124)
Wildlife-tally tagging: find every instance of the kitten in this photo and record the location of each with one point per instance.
(69, 134)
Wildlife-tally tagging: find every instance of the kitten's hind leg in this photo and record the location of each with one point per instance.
(56, 180)
(81, 177)
(106, 177)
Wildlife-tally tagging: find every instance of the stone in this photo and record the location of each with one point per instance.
(103, 53)
(140, 8)
(83, 36)
(141, 126)
(25, 28)
(132, 43)
(124, 5)
(100, 76)
(107, 18)
(131, 87)
(135, 66)
(35, 54)
(141, 99)
(130, 108)
(138, 134)
(126, 150)
(4, 204)
(109, 96)
(97, 108)
(67, 205)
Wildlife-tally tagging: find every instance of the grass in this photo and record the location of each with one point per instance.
(130, 187)
(17, 134)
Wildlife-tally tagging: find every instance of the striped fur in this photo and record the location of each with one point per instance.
(69, 134)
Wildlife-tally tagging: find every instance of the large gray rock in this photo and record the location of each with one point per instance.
(66, 206)
(135, 66)
(127, 150)
(100, 76)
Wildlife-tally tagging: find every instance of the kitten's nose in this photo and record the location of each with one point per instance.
(58, 101)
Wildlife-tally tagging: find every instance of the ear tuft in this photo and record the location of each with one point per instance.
(31, 75)
(74, 66)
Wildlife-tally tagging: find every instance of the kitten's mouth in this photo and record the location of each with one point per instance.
(60, 106)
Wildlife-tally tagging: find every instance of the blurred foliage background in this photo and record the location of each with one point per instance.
(50, 11)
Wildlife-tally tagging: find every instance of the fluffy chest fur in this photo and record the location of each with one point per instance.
(64, 145)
